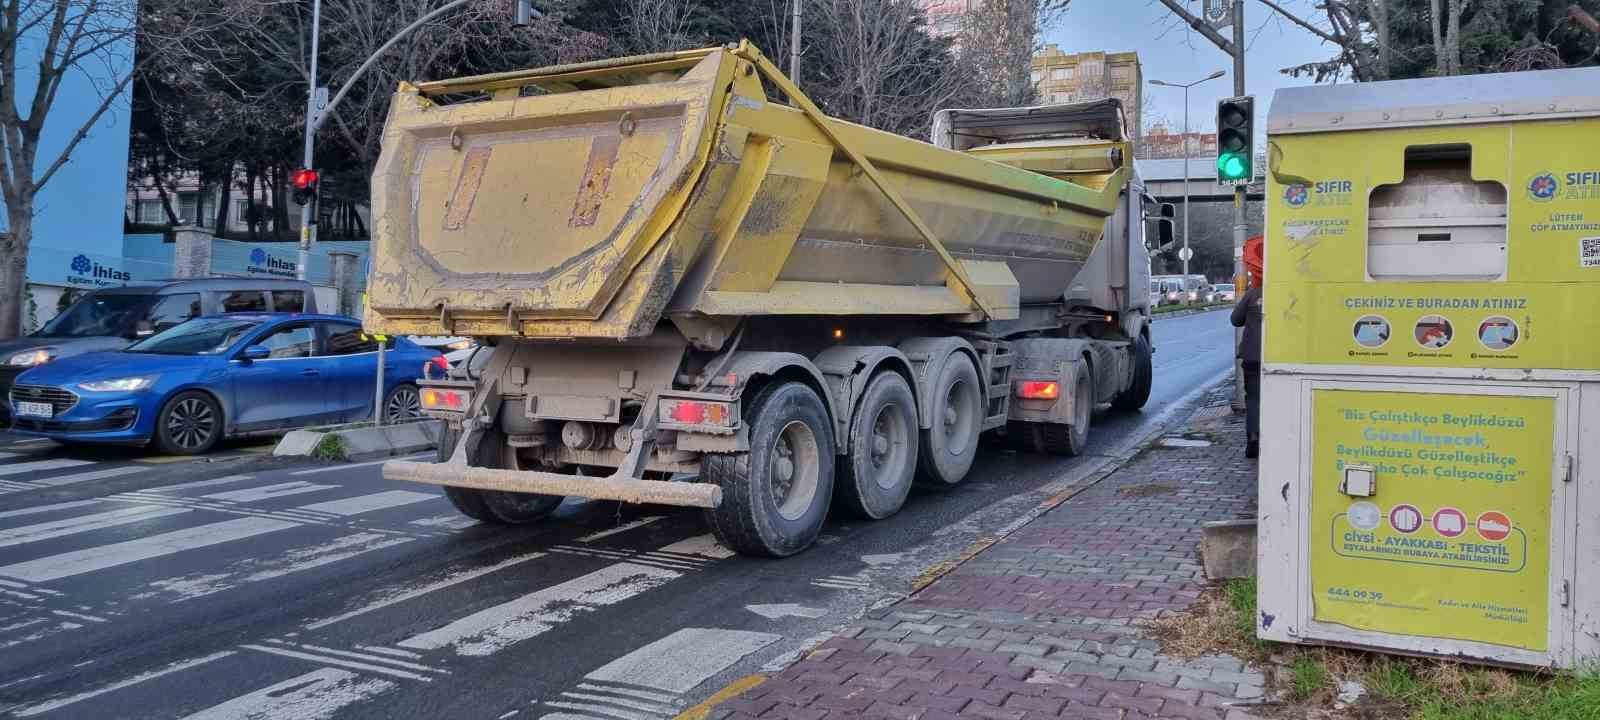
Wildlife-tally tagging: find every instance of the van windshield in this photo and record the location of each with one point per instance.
(98, 315)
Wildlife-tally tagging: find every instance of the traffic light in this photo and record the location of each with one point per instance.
(1236, 140)
(305, 185)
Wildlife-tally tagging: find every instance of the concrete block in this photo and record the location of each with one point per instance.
(363, 443)
(1229, 548)
(298, 443)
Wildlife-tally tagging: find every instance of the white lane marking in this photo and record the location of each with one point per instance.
(60, 627)
(39, 465)
(31, 441)
(417, 592)
(8, 455)
(224, 480)
(316, 695)
(597, 713)
(20, 594)
(47, 706)
(47, 508)
(267, 492)
(83, 524)
(336, 662)
(629, 691)
(347, 466)
(197, 585)
(681, 661)
(390, 651)
(641, 522)
(492, 629)
(30, 622)
(368, 657)
(60, 480)
(780, 610)
(453, 521)
(17, 486)
(80, 616)
(368, 503)
(608, 700)
(86, 560)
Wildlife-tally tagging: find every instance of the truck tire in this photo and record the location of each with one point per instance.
(875, 478)
(1073, 439)
(1138, 393)
(493, 506)
(776, 496)
(947, 449)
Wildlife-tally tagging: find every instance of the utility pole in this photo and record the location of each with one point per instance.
(794, 46)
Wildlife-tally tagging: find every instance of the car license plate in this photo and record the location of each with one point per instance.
(35, 409)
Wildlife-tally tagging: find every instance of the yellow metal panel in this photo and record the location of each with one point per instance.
(806, 298)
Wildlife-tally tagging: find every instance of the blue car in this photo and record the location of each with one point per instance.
(187, 387)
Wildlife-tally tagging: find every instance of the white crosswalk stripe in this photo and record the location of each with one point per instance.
(252, 570)
(267, 492)
(92, 475)
(87, 560)
(83, 523)
(315, 695)
(41, 466)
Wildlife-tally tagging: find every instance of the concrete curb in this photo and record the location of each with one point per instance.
(363, 442)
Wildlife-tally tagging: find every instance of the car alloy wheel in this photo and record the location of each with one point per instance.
(191, 423)
(404, 405)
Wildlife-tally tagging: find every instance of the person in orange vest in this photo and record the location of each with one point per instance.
(1247, 315)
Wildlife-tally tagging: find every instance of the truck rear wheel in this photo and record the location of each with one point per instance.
(876, 477)
(494, 506)
(1138, 393)
(775, 497)
(949, 447)
(1073, 439)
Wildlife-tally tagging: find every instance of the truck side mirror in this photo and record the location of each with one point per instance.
(1160, 228)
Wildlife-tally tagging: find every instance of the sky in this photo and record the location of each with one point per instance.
(1171, 52)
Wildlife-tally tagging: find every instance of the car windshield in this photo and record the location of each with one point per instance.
(1225, 287)
(97, 315)
(204, 336)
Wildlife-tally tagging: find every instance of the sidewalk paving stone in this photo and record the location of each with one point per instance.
(1048, 622)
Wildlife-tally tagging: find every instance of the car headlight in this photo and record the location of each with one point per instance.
(30, 358)
(127, 384)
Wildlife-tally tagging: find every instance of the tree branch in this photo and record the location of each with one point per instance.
(1291, 17)
(1200, 26)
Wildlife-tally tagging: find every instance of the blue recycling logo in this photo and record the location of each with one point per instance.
(81, 264)
(258, 257)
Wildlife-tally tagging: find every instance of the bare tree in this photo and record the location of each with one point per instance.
(45, 44)
(658, 25)
(876, 64)
(996, 44)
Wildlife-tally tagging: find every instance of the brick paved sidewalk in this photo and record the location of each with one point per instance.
(1046, 623)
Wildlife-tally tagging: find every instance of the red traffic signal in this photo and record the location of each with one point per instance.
(305, 185)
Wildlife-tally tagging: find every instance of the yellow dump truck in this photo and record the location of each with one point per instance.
(699, 296)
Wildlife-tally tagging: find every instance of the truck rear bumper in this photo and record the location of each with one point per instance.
(631, 490)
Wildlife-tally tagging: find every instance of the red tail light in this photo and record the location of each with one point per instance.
(1038, 390)
(440, 399)
(694, 412)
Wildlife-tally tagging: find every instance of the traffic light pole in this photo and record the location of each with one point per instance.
(308, 227)
(1241, 221)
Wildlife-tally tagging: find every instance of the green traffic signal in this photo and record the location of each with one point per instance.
(1233, 166)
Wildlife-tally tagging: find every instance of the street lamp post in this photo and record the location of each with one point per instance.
(1184, 144)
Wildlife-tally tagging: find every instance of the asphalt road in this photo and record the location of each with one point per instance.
(239, 586)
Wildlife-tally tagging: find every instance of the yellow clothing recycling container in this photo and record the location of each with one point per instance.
(1430, 469)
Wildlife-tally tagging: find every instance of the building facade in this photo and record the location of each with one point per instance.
(1077, 77)
(1160, 142)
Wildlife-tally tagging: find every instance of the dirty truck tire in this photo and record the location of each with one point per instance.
(1063, 439)
(948, 449)
(876, 476)
(494, 506)
(1138, 393)
(776, 496)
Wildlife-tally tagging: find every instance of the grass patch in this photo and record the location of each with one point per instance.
(330, 447)
(1223, 621)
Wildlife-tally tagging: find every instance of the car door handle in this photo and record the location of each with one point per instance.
(309, 372)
